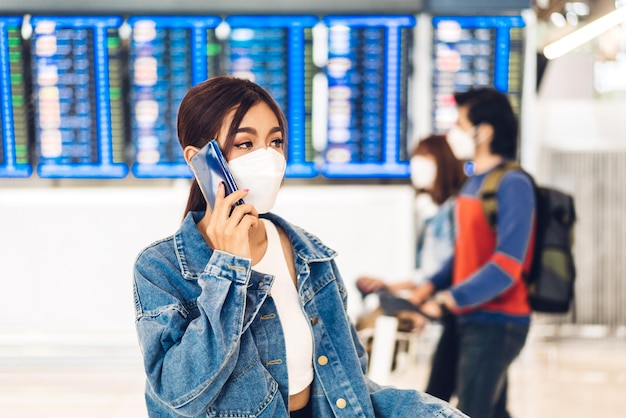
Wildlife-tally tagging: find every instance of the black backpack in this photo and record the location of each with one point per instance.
(551, 278)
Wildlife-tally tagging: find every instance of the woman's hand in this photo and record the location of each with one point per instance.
(368, 285)
(229, 232)
(421, 293)
(432, 308)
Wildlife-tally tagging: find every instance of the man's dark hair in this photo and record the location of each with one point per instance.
(488, 105)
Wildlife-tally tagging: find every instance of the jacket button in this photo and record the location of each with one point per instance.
(341, 403)
(314, 320)
(322, 360)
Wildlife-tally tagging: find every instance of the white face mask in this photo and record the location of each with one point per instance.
(261, 172)
(462, 143)
(423, 172)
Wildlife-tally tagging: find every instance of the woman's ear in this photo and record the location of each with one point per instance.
(188, 152)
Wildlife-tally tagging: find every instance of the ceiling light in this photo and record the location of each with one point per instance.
(572, 18)
(558, 20)
(578, 7)
(585, 33)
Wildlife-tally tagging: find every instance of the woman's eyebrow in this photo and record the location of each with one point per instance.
(253, 131)
(246, 130)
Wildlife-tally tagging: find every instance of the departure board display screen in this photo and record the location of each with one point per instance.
(368, 70)
(167, 56)
(88, 96)
(277, 53)
(78, 102)
(14, 160)
(475, 51)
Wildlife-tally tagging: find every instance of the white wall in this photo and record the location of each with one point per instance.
(67, 256)
(568, 116)
(67, 253)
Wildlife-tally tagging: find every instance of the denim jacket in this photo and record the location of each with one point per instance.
(435, 242)
(213, 345)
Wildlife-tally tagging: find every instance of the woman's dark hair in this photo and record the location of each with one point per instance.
(450, 175)
(203, 110)
(488, 105)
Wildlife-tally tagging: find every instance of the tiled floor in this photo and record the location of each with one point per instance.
(86, 383)
(573, 379)
(564, 378)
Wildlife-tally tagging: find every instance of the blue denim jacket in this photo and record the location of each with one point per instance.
(436, 238)
(213, 346)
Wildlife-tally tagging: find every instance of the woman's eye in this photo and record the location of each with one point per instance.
(244, 145)
(278, 143)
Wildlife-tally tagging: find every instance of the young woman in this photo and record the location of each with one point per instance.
(243, 314)
(437, 176)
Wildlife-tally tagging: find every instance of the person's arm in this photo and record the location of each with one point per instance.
(401, 286)
(442, 279)
(515, 223)
(188, 362)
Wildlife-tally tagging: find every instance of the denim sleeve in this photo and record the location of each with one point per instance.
(187, 361)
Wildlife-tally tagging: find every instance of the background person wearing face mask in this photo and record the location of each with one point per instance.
(243, 313)
(462, 143)
(437, 176)
(482, 282)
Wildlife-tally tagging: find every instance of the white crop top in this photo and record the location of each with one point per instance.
(298, 339)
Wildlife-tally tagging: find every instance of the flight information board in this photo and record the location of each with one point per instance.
(475, 51)
(368, 70)
(105, 91)
(14, 160)
(277, 53)
(167, 56)
(78, 101)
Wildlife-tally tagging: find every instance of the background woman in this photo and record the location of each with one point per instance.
(437, 176)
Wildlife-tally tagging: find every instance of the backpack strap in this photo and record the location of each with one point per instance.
(489, 188)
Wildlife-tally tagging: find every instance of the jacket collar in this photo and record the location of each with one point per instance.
(193, 252)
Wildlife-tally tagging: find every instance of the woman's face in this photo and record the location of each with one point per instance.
(423, 171)
(259, 128)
